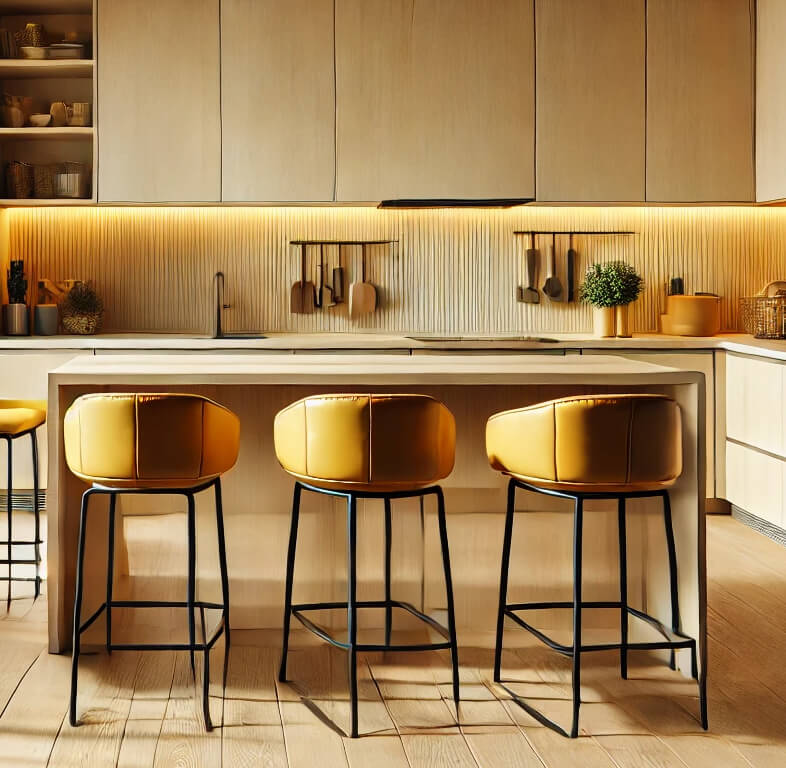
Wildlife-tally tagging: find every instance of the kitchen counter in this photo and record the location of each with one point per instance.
(293, 342)
(257, 493)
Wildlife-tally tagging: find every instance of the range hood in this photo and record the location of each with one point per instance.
(501, 202)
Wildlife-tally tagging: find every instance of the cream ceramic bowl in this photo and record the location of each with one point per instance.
(40, 120)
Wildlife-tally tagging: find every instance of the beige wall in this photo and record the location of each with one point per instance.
(453, 271)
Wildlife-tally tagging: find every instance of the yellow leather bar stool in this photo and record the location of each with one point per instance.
(614, 447)
(151, 444)
(19, 418)
(367, 447)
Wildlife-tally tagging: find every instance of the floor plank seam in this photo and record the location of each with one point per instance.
(19, 682)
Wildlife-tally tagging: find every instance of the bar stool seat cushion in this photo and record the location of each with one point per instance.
(591, 444)
(371, 443)
(149, 440)
(17, 416)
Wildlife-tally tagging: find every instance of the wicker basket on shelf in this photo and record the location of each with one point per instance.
(44, 181)
(19, 180)
(764, 316)
(81, 310)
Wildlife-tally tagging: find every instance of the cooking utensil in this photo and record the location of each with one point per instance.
(530, 295)
(362, 295)
(302, 297)
(325, 291)
(552, 287)
(338, 280)
(570, 263)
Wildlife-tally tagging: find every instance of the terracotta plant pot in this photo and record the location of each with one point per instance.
(622, 320)
(603, 321)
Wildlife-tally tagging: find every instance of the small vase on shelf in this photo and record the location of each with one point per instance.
(603, 322)
(622, 321)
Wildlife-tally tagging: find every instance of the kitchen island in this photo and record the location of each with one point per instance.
(257, 493)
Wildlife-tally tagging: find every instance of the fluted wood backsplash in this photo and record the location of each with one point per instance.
(451, 271)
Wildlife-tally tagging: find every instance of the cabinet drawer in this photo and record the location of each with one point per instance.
(755, 482)
(754, 403)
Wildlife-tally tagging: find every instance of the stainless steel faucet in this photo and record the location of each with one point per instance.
(220, 306)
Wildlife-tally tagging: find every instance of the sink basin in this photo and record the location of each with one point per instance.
(241, 335)
(534, 339)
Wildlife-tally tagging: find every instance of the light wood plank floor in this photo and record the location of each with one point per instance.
(139, 709)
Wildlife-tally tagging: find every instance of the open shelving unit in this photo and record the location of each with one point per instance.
(47, 81)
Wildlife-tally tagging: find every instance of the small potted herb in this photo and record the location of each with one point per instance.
(609, 289)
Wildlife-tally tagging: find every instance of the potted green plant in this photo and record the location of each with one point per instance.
(610, 288)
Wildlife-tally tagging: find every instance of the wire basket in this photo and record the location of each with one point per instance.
(764, 316)
(19, 180)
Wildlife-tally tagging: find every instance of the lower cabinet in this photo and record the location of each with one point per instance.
(755, 482)
(24, 375)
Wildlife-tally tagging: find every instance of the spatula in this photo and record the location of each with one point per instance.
(362, 295)
(530, 295)
(552, 287)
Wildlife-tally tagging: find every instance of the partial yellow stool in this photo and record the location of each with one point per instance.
(19, 418)
(592, 447)
(367, 447)
(151, 444)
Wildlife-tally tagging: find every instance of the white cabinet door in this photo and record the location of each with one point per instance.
(278, 100)
(159, 110)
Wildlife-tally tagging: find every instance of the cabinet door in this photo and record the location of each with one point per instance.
(770, 100)
(159, 131)
(699, 101)
(278, 100)
(590, 100)
(434, 99)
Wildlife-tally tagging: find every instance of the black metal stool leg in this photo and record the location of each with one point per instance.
(443, 536)
(80, 562)
(191, 597)
(36, 517)
(222, 563)
(577, 547)
(110, 570)
(10, 510)
(352, 612)
(675, 601)
(503, 579)
(623, 588)
(206, 690)
(388, 547)
(282, 672)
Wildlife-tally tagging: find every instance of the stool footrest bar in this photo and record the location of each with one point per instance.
(298, 608)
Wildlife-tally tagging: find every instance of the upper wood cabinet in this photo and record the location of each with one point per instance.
(699, 101)
(434, 99)
(278, 100)
(590, 100)
(770, 100)
(159, 131)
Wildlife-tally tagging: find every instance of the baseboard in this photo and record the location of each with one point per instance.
(771, 531)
